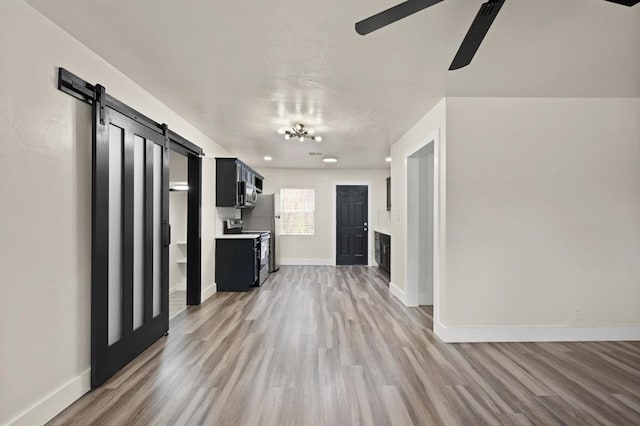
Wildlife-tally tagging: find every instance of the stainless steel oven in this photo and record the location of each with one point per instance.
(264, 257)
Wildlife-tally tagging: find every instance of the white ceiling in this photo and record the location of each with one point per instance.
(240, 70)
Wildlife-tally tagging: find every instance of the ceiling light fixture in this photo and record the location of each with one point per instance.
(267, 158)
(388, 159)
(301, 132)
(330, 160)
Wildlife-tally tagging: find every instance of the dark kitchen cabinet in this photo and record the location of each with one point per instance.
(389, 193)
(236, 263)
(230, 172)
(383, 251)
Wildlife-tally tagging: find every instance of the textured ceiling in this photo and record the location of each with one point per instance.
(239, 70)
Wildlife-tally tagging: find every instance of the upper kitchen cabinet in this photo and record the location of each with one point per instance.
(236, 183)
(389, 193)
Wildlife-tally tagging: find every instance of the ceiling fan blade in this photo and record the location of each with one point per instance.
(477, 32)
(625, 2)
(392, 15)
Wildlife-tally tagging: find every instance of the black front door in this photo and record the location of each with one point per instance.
(130, 240)
(352, 225)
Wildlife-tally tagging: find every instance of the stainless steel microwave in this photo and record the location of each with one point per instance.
(246, 196)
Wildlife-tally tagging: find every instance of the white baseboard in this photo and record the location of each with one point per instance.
(486, 334)
(535, 334)
(307, 262)
(180, 286)
(397, 293)
(208, 292)
(54, 403)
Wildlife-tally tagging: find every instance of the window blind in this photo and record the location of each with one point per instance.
(297, 211)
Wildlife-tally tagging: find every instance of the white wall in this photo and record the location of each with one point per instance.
(320, 248)
(539, 218)
(543, 212)
(45, 212)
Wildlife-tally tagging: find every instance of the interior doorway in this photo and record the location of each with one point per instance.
(421, 221)
(352, 225)
(178, 198)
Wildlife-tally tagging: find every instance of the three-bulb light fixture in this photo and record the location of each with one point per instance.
(301, 132)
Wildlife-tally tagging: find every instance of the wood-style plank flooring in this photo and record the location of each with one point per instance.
(330, 346)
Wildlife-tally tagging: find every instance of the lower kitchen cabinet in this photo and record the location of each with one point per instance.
(383, 250)
(236, 264)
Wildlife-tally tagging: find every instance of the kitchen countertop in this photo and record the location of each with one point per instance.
(238, 236)
(382, 231)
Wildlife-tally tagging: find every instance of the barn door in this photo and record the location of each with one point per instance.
(130, 239)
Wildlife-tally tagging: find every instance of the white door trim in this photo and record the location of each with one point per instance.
(412, 286)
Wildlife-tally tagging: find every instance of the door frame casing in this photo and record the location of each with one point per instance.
(412, 286)
(194, 230)
(334, 250)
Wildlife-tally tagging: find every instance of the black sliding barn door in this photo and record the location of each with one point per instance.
(130, 239)
(352, 219)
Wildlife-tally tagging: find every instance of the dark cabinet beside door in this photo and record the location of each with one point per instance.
(383, 251)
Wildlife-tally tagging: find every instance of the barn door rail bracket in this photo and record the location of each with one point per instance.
(86, 92)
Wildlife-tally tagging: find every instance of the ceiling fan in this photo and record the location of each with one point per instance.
(475, 35)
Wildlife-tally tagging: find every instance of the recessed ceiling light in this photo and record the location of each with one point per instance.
(330, 160)
(267, 158)
(388, 159)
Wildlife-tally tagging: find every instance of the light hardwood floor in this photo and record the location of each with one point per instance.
(330, 346)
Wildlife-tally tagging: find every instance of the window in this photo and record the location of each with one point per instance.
(297, 211)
